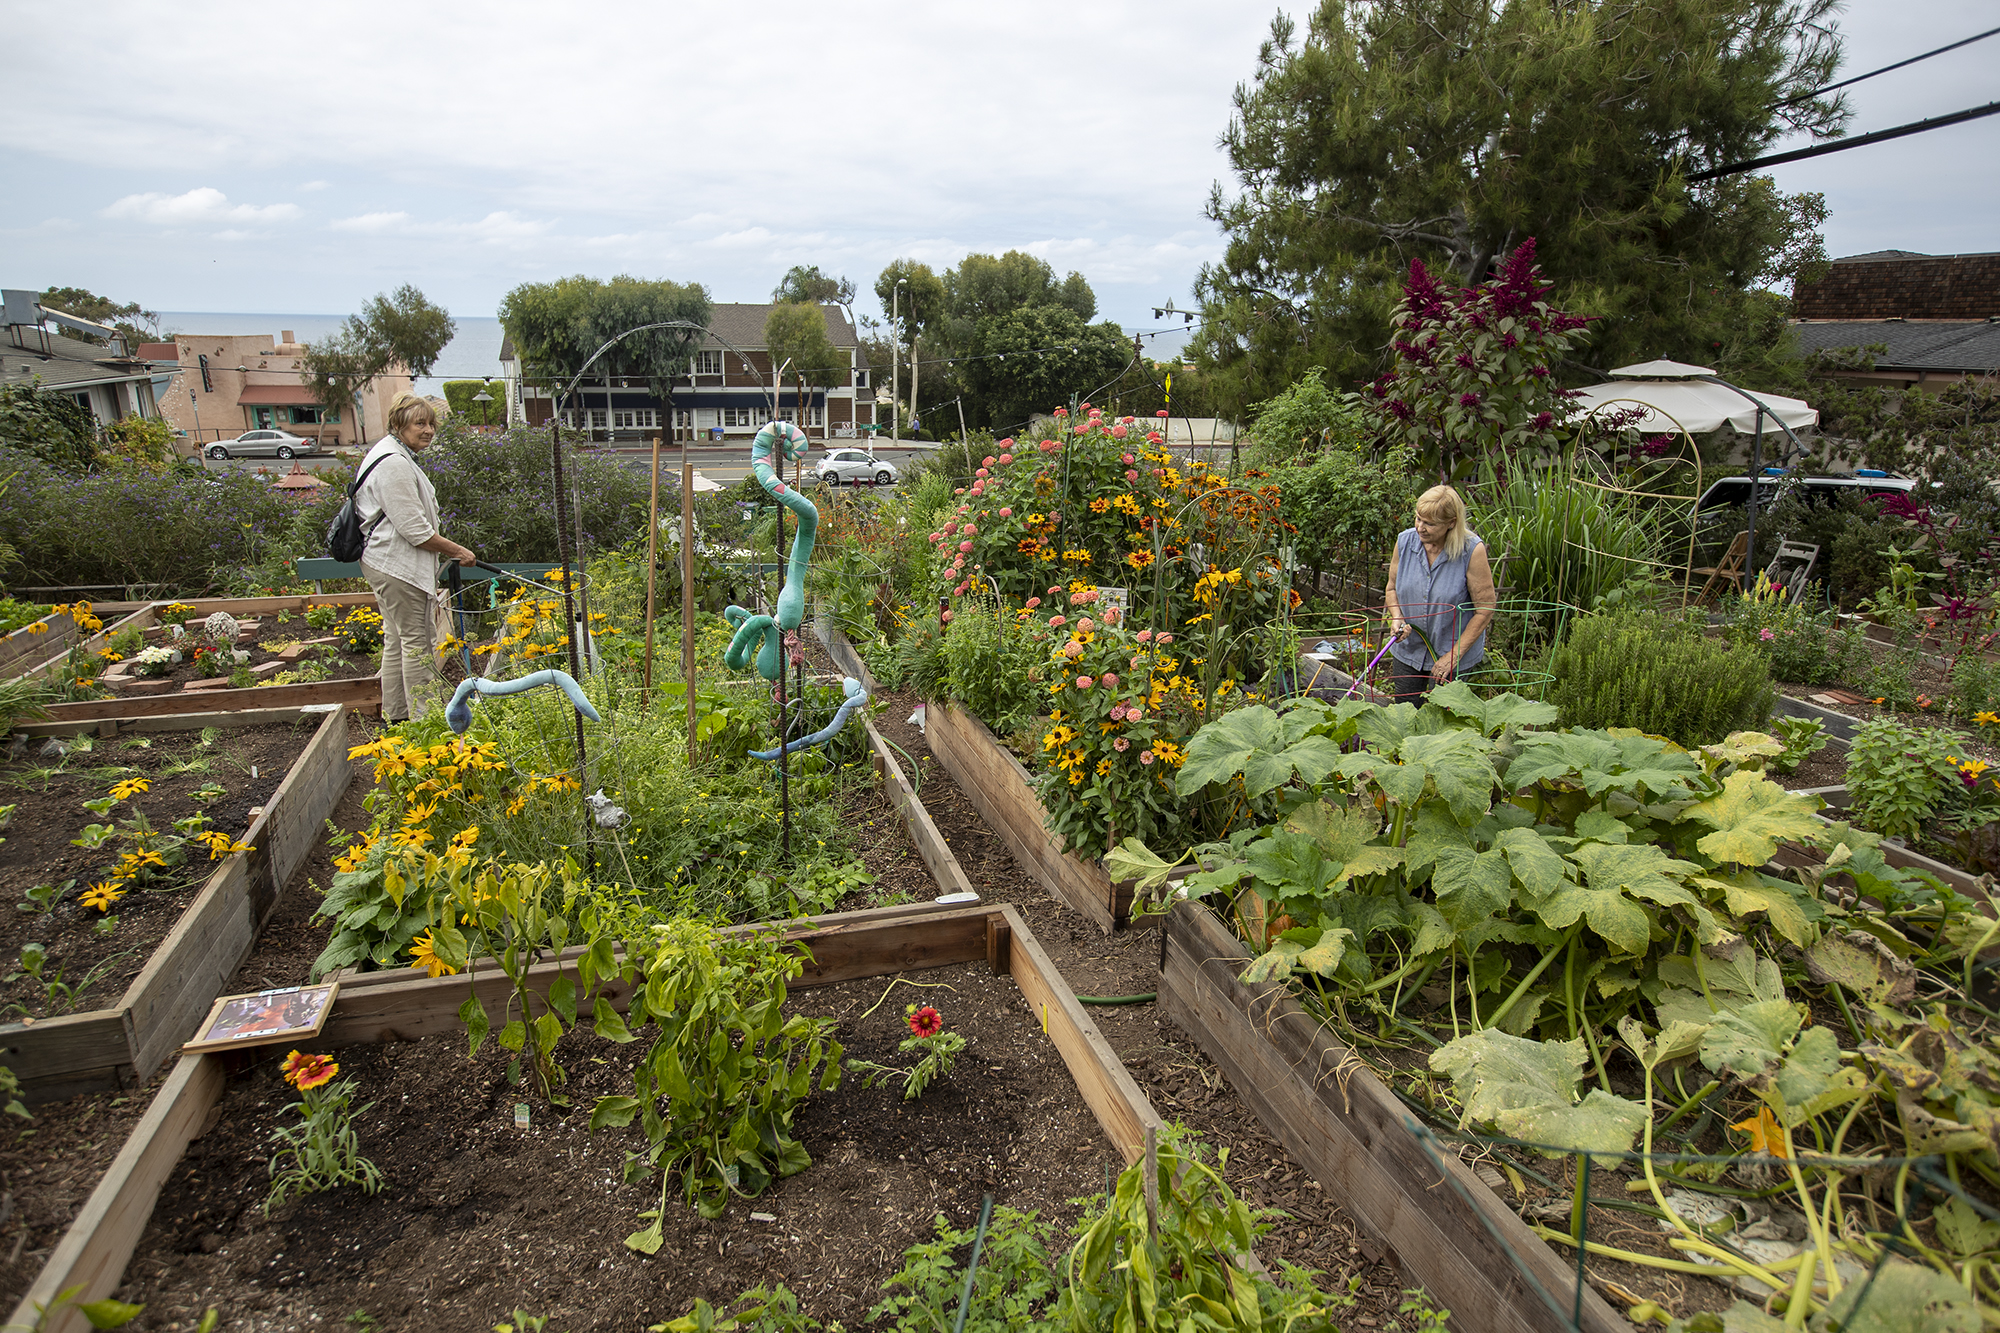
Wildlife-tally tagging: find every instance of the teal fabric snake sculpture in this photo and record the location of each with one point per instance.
(459, 711)
(765, 635)
(856, 698)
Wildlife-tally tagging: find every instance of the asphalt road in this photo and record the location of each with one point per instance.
(725, 464)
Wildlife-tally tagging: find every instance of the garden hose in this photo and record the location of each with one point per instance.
(1148, 997)
(915, 774)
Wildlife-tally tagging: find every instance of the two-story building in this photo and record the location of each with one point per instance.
(106, 377)
(729, 392)
(225, 384)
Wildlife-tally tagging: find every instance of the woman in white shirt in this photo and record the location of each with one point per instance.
(398, 510)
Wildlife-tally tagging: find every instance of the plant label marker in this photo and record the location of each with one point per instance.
(520, 1115)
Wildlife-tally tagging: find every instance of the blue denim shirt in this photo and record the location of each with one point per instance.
(1435, 597)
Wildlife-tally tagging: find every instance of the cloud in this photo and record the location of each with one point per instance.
(315, 185)
(373, 222)
(198, 207)
(497, 227)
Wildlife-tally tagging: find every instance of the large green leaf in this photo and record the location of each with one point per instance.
(1459, 767)
(1672, 1042)
(1290, 862)
(1798, 1072)
(1735, 975)
(1432, 833)
(1751, 816)
(1318, 951)
(1750, 1041)
(1384, 728)
(1539, 867)
(1132, 861)
(1598, 762)
(1747, 892)
(1527, 1089)
(1346, 835)
(1613, 875)
(1901, 1298)
(1266, 747)
(1471, 887)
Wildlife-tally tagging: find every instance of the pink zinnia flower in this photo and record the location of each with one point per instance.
(1112, 615)
(1145, 756)
(1062, 411)
(1034, 602)
(1006, 459)
(1121, 745)
(1127, 459)
(1130, 475)
(1083, 682)
(970, 530)
(1145, 636)
(1110, 680)
(1072, 649)
(980, 473)
(946, 617)
(1054, 517)
(988, 461)
(1165, 638)
(1057, 622)
(1086, 624)
(1117, 432)
(1007, 513)
(1007, 443)
(965, 546)
(1118, 712)
(936, 537)
(1133, 713)
(1049, 446)
(1161, 414)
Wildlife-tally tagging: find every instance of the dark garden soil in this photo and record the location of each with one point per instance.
(1825, 767)
(50, 1164)
(48, 791)
(274, 647)
(478, 1217)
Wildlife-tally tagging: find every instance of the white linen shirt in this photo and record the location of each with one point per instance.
(400, 494)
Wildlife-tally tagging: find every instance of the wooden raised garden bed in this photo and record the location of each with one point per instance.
(1448, 1232)
(364, 693)
(396, 1006)
(1001, 790)
(123, 1044)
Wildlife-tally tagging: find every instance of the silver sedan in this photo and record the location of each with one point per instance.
(856, 466)
(262, 444)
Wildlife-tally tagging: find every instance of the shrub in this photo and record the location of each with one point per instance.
(1348, 508)
(47, 426)
(1658, 675)
(173, 529)
(495, 493)
(1899, 776)
(1308, 418)
(13, 614)
(1803, 645)
(988, 657)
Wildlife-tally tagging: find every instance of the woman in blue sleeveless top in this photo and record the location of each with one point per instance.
(1440, 597)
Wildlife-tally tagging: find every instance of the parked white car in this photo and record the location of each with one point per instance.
(856, 466)
(262, 444)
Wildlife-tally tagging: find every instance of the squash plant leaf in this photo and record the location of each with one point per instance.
(1491, 716)
(1471, 887)
(1133, 861)
(1613, 875)
(1432, 833)
(1790, 912)
(1735, 975)
(1266, 747)
(1345, 834)
(1751, 816)
(1318, 951)
(1902, 1298)
(1527, 1089)
(1458, 766)
(1750, 1042)
(1740, 747)
(1674, 1041)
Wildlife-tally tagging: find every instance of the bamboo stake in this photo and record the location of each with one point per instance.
(687, 594)
(652, 543)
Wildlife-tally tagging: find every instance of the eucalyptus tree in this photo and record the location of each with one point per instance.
(403, 328)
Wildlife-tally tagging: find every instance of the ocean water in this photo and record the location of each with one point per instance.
(473, 353)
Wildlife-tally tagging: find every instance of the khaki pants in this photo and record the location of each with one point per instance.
(409, 661)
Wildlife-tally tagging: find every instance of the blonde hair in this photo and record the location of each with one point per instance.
(1443, 505)
(406, 409)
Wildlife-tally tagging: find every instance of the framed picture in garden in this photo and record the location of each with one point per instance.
(289, 1013)
(1118, 597)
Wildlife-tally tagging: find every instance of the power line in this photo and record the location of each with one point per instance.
(1976, 37)
(1841, 145)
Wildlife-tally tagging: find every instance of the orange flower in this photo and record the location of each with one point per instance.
(1765, 1133)
(305, 1072)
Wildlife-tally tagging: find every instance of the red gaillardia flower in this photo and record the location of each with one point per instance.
(304, 1071)
(925, 1021)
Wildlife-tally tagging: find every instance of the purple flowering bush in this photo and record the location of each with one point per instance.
(1471, 371)
(494, 492)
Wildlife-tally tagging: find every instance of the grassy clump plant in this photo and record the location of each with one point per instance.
(1657, 674)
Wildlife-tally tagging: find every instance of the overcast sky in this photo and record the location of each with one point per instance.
(300, 158)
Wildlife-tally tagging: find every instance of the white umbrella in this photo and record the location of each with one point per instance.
(1672, 395)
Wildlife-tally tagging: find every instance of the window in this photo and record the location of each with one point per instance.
(815, 416)
(860, 379)
(683, 418)
(708, 363)
(737, 417)
(306, 416)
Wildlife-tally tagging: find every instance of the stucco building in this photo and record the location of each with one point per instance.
(225, 384)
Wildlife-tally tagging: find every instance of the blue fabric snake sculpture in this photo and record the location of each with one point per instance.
(765, 635)
(856, 697)
(459, 711)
